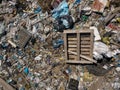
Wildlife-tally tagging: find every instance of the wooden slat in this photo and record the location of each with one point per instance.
(72, 56)
(85, 57)
(78, 46)
(85, 42)
(70, 42)
(77, 62)
(72, 39)
(65, 45)
(87, 50)
(85, 46)
(72, 49)
(77, 31)
(91, 44)
(71, 35)
(72, 46)
(70, 31)
(86, 38)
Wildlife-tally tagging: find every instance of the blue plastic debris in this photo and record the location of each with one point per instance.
(20, 53)
(19, 66)
(14, 57)
(37, 10)
(57, 43)
(4, 44)
(1, 57)
(65, 23)
(77, 2)
(62, 9)
(26, 70)
(118, 63)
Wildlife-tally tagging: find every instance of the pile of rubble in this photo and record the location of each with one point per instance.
(32, 45)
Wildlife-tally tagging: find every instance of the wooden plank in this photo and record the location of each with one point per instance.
(72, 49)
(78, 46)
(72, 56)
(73, 39)
(86, 53)
(65, 46)
(91, 44)
(85, 46)
(86, 38)
(85, 35)
(86, 50)
(72, 42)
(72, 46)
(88, 58)
(85, 57)
(78, 62)
(84, 42)
(70, 31)
(73, 35)
(77, 31)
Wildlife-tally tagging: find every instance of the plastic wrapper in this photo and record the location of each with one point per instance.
(101, 49)
(63, 22)
(62, 9)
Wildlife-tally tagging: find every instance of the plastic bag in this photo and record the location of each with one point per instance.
(63, 22)
(62, 9)
(101, 49)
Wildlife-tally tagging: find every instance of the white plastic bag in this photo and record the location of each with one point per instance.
(101, 49)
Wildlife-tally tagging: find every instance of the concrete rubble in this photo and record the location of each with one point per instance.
(32, 51)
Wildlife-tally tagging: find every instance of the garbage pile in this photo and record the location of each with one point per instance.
(32, 55)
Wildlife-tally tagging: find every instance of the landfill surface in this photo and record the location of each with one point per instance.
(32, 50)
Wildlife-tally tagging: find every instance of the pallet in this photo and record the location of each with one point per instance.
(78, 45)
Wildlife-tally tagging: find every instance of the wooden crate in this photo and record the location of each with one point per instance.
(78, 45)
